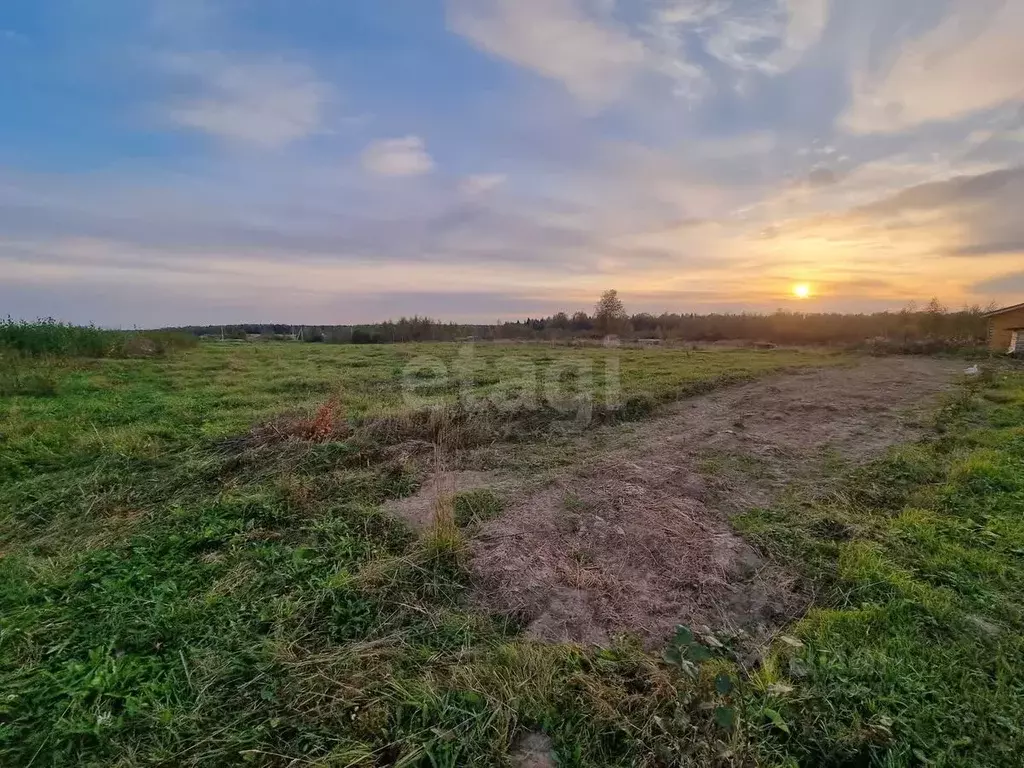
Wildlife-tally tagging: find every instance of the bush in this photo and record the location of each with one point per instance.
(930, 346)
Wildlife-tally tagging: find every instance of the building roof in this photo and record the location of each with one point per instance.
(1004, 310)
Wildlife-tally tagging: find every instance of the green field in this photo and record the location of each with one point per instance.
(146, 409)
(174, 591)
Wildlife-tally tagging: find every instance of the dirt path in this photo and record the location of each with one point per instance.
(639, 538)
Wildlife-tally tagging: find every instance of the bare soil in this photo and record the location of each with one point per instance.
(533, 750)
(638, 539)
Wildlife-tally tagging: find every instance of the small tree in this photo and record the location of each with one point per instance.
(933, 318)
(580, 322)
(609, 313)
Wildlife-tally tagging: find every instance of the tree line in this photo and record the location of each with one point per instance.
(930, 322)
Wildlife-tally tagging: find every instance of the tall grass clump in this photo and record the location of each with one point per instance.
(145, 343)
(34, 378)
(51, 338)
(444, 537)
(35, 356)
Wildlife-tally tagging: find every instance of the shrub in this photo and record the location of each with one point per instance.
(929, 346)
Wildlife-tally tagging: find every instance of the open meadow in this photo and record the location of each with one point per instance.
(451, 555)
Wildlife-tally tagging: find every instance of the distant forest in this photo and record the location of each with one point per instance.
(932, 322)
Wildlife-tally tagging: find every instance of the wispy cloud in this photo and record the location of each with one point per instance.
(972, 60)
(804, 27)
(406, 156)
(479, 184)
(265, 103)
(770, 37)
(597, 56)
(1011, 285)
(563, 40)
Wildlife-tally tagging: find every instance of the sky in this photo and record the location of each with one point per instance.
(171, 162)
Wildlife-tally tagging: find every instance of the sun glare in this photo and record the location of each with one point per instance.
(802, 290)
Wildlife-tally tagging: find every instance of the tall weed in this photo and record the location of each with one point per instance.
(49, 337)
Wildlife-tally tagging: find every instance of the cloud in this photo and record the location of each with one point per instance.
(804, 27)
(264, 103)
(600, 58)
(990, 248)
(983, 208)
(398, 157)
(293, 213)
(594, 58)
(597, 57)
(479, 184)
(820, 177)
(1004, 185)
(1012, 283)
(770, 37)
(971, 61)
(925, 229)
(308, 243)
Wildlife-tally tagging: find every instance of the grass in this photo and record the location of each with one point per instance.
(170, 596)
(143, 409)
(172, 593)
(35, 356)
(913, 654)
(477, 506)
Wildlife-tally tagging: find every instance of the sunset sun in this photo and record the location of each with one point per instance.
(802, 290)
